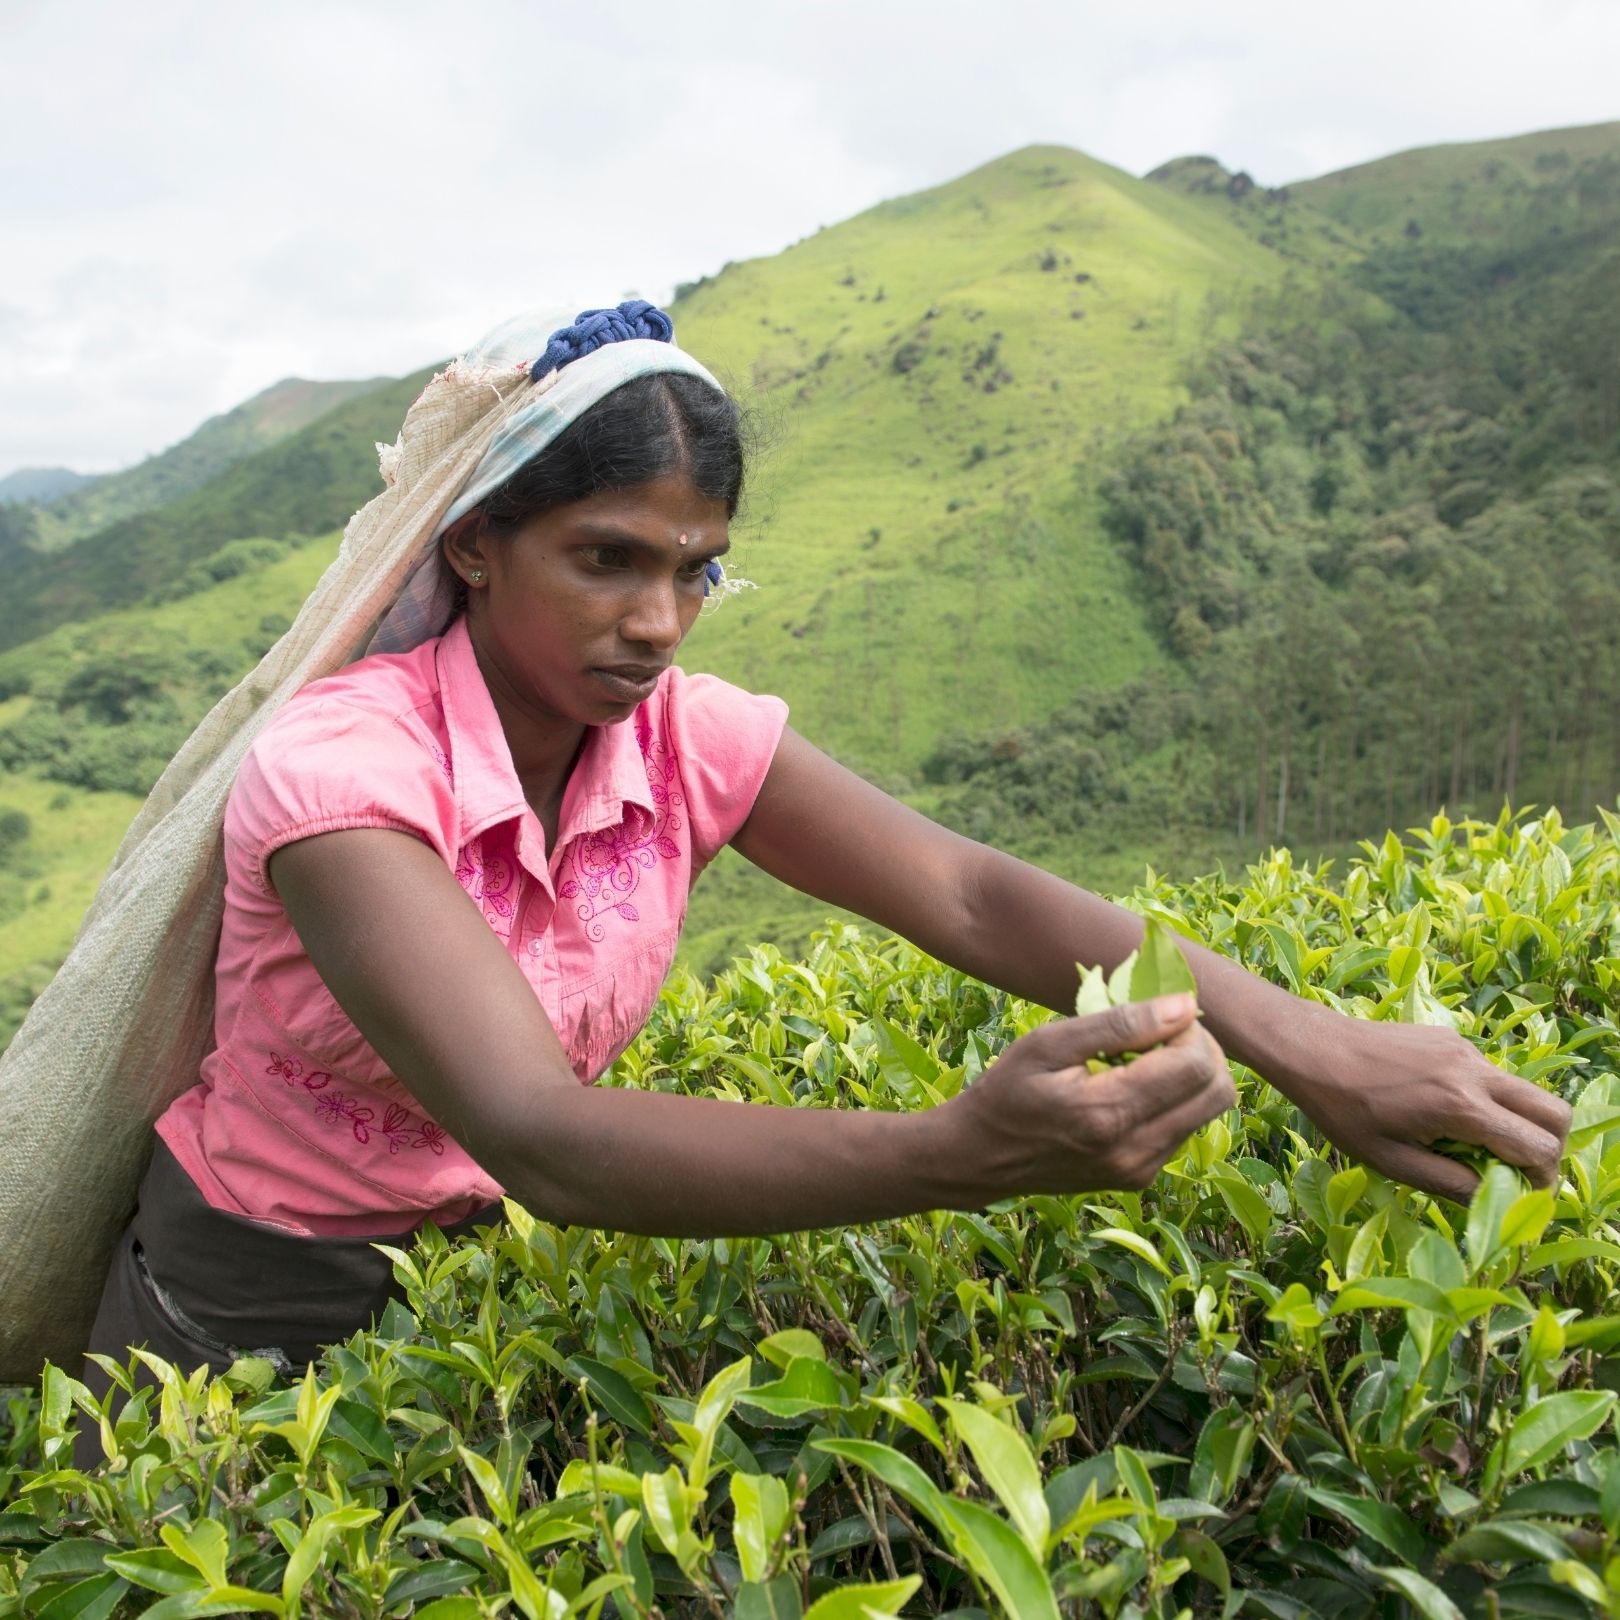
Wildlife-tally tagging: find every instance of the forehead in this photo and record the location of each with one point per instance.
(662, 508)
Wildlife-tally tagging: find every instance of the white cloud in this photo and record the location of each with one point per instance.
(202, 199)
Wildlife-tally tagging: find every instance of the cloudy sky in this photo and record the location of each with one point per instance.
(199, 199)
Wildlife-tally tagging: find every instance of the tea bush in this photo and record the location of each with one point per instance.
(1272, 1383)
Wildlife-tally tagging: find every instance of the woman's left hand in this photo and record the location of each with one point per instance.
(1384, 1092)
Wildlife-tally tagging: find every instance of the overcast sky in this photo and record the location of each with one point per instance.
(199, 199)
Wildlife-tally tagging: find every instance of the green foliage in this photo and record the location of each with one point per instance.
(1156, 968)
(88, 505)
(1107, 757)
(1549, 183)
(1270, 1380)
(111, 700)
(306, 484)
(1388, 556)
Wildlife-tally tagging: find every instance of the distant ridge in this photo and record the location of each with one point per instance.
(257, 423)
(40, 483)
(307, 482)
(1468, 190)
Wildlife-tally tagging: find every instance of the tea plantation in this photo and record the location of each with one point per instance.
(1272, 1384)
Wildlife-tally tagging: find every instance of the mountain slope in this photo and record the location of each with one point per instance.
(939, 376)
(944, 372)
(255, 424)
(1480, 192)
(1076, 490)
(308, 483)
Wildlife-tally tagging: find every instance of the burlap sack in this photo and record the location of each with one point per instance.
(121, 1029)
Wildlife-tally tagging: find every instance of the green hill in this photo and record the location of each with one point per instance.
(946, 373)
(70, 514)
(1553, 182)
(306, 484)
(1110, 520)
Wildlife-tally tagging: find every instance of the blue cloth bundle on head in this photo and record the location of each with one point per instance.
(592, 328)
(634, 318)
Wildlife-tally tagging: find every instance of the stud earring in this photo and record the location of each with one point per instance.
(475, 576)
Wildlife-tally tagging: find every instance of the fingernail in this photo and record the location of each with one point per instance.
(1172, 1009)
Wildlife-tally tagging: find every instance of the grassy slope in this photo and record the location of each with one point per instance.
(1463, 192)
(255, 424)
(986, 593)
(75, 832)
(306, 484)
(945, 618)
(990, 612)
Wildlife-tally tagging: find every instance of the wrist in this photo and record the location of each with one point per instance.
(1290, 1042)
(951, 1159)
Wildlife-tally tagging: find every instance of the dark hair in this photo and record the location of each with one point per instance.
(665, 423)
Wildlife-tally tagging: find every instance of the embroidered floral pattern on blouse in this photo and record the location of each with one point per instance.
(490, 880)
(400, 1127)
(608, 864)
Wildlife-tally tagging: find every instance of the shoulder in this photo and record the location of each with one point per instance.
(384, 689)
(707, 712)
(361, 748)
(722, 739)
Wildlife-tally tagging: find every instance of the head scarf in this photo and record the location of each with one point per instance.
(571, 369)
(121, 1029)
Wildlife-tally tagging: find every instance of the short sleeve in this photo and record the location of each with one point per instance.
(724, 740)
(325, 766)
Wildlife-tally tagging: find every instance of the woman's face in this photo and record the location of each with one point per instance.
(579, 611)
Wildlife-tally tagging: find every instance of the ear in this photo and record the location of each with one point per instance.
(465, 546)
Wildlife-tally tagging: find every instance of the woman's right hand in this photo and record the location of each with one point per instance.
(1037, 1121)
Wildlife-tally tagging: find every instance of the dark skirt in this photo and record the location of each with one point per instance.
(198, 1286)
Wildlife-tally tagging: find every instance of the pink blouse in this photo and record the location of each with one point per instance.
(296, 1120)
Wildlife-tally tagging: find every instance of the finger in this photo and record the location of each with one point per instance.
(1165, 1078)
(1168, 1131)
(1429, 1172)
(1133, 1027)
(1514, 1140)
(1534, 1103)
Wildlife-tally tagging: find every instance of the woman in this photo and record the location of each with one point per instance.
(455, 876)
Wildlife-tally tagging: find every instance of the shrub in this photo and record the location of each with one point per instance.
(1272, 1381)
(15, 829)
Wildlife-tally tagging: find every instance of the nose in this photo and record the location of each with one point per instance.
(654, 619)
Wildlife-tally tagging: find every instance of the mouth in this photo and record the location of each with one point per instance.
(630, 683)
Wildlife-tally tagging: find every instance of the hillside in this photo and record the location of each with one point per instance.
(946, 373)
(1552, 182)
(1113, 521)
(938, 374)
(67, 515)
(306, 484)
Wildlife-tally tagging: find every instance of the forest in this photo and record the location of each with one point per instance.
(1382, 540)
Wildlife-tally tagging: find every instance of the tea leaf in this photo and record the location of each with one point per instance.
(1541, 1432)
(1160, 968)
(1008, 1469)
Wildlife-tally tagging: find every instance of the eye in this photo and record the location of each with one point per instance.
(607, 558)
(694, 570)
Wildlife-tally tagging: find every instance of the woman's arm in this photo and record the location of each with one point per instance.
(411, 960)
(1380, 1091)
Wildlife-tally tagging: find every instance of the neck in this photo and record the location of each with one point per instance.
(543, 745)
